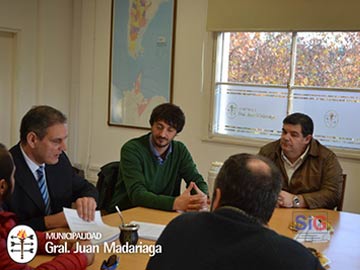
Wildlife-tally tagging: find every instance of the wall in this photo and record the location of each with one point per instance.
(190, 79)
(105, 141)
(62, 52)
(42, 56)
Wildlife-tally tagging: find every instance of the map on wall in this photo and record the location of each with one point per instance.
(141, 59)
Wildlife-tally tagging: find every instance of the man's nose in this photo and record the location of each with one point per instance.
(163, 133)
(286, 136)
(63, 146)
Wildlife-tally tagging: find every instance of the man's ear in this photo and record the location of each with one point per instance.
(308, 138)
(31, 139)
(216, 200)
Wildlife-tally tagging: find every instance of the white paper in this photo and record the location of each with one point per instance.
(77, 224)
(313, 236)
(149, 231)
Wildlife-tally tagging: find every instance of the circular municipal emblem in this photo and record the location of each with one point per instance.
(231, 110)
(22, 244)
(331, 119)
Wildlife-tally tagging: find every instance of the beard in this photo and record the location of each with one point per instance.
(161, 142)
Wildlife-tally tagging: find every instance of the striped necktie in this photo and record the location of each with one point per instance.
(43, 189)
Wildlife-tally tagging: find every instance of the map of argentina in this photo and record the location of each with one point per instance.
(142, 59)
(141, 12)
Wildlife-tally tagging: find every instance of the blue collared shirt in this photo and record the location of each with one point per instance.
(158, 157)
(31, 164)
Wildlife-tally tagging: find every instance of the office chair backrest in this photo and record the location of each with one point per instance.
(342, 194)
(107, 178)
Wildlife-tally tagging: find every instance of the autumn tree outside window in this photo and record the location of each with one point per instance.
(260, 77)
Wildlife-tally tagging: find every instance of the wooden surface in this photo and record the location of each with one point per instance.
(343, 249)
(127, 261)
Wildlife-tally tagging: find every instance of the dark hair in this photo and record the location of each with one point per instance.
(38, 119)
(6, 164)
(306, 123)
(248, 184)
(170, 114)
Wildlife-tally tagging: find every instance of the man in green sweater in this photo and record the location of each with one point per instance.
(153, 165)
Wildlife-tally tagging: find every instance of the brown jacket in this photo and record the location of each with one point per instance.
(318, 178)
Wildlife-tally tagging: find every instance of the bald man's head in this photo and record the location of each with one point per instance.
(251, 183)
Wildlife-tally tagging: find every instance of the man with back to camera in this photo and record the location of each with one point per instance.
(311, 172)
(45, 181)
(234, 234)
(153, 165)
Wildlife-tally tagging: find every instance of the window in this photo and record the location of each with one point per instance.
(260, 77)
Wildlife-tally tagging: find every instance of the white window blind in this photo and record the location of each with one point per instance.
(283, 15)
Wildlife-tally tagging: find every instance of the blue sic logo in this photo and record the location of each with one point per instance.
(312, 223)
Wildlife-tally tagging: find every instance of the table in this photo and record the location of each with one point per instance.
(127, 261)
(343, 249)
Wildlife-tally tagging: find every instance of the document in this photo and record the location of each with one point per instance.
(313, 236)
(77, 224)
(149, 231)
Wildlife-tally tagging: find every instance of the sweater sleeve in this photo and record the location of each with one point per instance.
(135, 180)
(62, 261)
(189, 171)
(65, 262)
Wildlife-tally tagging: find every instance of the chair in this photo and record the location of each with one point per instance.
(107, 178)
(79, 172)
(342, 194)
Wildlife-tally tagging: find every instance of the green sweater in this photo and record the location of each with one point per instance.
(142, 181)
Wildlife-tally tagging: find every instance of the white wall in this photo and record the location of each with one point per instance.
(7, 52)
(63, 54)
(42, 55)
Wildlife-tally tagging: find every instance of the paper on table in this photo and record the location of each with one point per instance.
(77, 224)
(150, 231)
(313, 236)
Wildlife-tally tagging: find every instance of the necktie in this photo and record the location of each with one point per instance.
(43, 189)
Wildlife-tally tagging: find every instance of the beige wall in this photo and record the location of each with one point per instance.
(42, 48)
(71, 72)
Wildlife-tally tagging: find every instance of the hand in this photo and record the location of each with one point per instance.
(188, 202)
(55, 221)
(285, 199)
(85, 208)
(204, 199)
(89, 256)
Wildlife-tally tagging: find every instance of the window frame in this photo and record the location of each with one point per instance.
(214, 137)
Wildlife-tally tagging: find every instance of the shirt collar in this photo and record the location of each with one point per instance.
(298, 161)
(31, 164)
(158, 157)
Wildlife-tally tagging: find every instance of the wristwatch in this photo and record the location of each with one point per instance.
(296, 201)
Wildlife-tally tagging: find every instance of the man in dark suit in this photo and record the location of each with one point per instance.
(40, 194)
(234, 235)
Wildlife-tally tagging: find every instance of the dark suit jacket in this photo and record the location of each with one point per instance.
(229, 240)
(63, 184)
